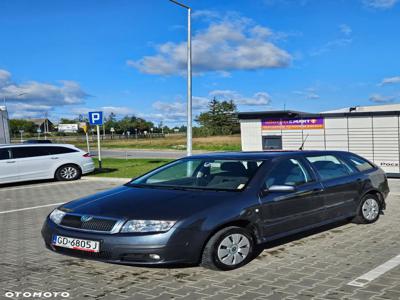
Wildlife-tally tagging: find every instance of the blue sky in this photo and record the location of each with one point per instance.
(69, 57)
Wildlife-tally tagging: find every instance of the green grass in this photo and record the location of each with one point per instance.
(126, 168)
(171, 142)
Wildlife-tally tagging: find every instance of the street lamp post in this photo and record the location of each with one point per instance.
(18, 95)
(189, 82)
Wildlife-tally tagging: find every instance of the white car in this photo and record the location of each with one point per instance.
(23, 162)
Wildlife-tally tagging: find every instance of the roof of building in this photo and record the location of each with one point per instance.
(40, 121)
(357, 111)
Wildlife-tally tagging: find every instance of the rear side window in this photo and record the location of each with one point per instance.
(359, 163)
(328, 166)
(4, 154)
(59, 150)
(24, 152)
(288, 172)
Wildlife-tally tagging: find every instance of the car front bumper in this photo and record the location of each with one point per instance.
(173, 247)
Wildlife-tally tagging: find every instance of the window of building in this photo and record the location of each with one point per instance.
(272, 142)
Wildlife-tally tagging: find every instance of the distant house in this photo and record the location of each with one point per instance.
(44, 124)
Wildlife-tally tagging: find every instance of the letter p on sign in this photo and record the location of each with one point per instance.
(96, 118)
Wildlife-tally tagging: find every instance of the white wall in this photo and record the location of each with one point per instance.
(386, 142)
(251, 135)
(375, 138)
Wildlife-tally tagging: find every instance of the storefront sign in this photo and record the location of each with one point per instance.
(292, 124)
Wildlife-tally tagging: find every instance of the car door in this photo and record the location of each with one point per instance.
(340, 186)
(32, 162)
(8, 167)
(285, 211)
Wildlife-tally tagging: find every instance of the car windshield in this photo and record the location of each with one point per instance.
(204, 174)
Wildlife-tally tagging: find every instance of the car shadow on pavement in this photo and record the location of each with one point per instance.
(104, 170)
(23, 183)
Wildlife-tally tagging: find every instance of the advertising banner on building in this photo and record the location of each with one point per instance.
(293, 124)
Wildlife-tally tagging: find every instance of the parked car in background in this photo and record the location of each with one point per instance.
(23, 162)
(37, 142)
(215, 208)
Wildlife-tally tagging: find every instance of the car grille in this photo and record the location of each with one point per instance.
(94, 224)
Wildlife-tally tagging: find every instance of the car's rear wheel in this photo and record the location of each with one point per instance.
(228, 249)
(368, 210)
(68, 173)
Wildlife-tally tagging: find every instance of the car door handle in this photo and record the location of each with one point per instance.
(55, 158)
(11, 162)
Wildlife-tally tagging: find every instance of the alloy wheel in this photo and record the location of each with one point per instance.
(68, 172)
(370, 209)
(233, 249)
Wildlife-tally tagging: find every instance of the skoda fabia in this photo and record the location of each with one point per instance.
(214, 209)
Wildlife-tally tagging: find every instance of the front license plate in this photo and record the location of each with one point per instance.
(77, 244)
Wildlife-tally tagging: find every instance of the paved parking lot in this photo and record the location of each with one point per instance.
(317, 265)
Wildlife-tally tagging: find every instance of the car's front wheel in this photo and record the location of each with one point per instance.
(228, 249)
(68, 173)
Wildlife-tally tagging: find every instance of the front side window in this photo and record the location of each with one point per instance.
(206, 174)
(4, 154)
(328, 166)
(288, 172)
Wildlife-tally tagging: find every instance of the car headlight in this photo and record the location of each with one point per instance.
(57, 215)
(147, 226)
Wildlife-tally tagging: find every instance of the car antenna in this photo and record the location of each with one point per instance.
(302, 144)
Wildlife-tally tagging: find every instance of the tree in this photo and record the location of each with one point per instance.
(220, 119)
(19, 124)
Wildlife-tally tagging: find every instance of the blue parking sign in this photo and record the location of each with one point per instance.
(96, 118)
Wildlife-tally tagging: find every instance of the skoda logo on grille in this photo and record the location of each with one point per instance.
(86, 218)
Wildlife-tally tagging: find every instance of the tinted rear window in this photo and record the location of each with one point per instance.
(328, 166)
(58, 150)
(23, 152)
(4, 154)
(359, 163)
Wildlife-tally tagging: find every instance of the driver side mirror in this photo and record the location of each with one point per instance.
(279, 189)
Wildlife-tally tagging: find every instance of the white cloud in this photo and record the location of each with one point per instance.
(32, 99)
(343, 40)
(378, 98)
(309, 93)
(260, 98)
(118, 110)
(390, 80)
(175, 112)
(345, 29)
(230, 43)
(5, 78)
(380, 4)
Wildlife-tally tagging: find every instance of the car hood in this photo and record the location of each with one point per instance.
(148, 203)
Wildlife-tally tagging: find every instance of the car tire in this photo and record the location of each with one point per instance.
(228, 249)
(68, 173)
(369, 210)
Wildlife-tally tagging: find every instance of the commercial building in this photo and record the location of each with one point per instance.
(370, 131)
(4, 129)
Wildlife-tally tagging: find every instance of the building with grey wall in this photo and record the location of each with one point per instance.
(370, 131)
(4, 129)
